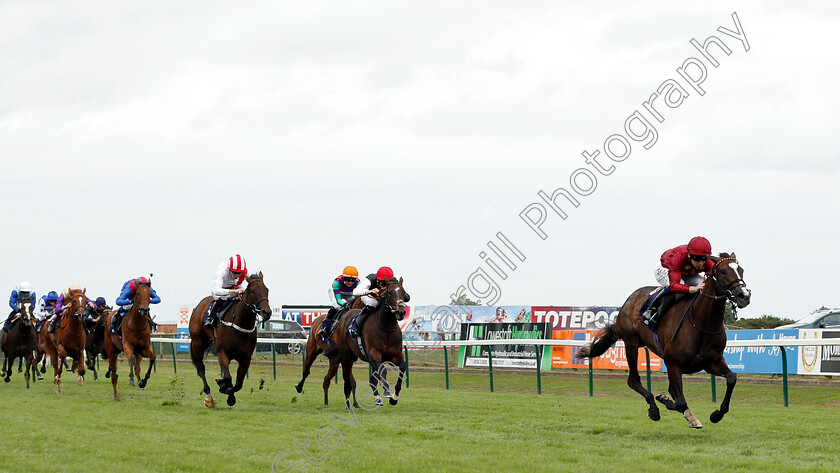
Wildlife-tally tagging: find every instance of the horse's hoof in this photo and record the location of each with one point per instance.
(231, 400)
(393, 401)
(653, 413)
(95, 377)
(696, 426)
(107, 374)
(43, 369)
(131, 382)
(716, 417)
(208, 401)
(299, 388)
(142, 384)
(378, 401)
(40, 378)
(80, 382)
(7, 379)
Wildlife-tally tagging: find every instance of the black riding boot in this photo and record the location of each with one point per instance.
(653, 315)
(328, 322)
(356, 327)
(54, 323)
(212, 317)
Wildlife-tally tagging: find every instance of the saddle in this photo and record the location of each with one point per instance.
(220, 313)
(335, 323)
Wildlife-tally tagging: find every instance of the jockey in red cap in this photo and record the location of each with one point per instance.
(228, 283)
(368, 289)
(679, 274)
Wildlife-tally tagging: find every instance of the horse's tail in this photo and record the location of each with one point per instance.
(605, 339)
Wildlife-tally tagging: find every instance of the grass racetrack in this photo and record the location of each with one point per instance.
(465, 429)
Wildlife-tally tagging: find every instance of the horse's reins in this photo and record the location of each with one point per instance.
(391, 309)
(727, 295)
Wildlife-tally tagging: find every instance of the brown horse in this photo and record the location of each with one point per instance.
(381, 338)
(691, 337)
(136, 342)
(19, 342)
(69, 338)
(235, 336)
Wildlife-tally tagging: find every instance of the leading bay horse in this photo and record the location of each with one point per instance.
(69, 338)
(382, 341)
(690, 337)
(235, 336)
(19, 342)
(136, 333)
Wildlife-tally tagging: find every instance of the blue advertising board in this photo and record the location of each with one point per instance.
(760, 359)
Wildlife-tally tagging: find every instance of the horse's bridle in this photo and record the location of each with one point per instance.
(727, 289)
(384, 296)
(252, 306)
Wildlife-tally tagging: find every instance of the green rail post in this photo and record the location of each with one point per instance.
(490, 359)
(785, 375)
(714, 388)
(174, 356)
(406, 366)
(539, 364)
(154, 366)
(370, 371)
(446, 364)
(591, 380)
(647, 360)
(274, 361)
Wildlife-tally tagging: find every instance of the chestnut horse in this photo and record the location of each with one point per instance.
(19, 342)
(136, 342)
(235, 336)
(690, 337)
(69, 338)
(381, 338)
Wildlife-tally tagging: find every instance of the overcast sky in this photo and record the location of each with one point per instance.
(162, 137)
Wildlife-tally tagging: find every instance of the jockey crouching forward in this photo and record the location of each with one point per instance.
(368, 289)
(60, 307)
(341, 292)
(46, 306)
(95, 314)
(228, 283)
(679, 274)
(126, 297)
(20, 295)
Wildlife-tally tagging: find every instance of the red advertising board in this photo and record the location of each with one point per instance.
(614, 359)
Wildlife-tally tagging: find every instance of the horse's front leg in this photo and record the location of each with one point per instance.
(7, 371)
(677, 400)
(719, 368)
(402, 365)
(241, 371)
(635, 382)
(138, 360)
(57, 360)
(129, 355)
(148, 353)
(225, 384)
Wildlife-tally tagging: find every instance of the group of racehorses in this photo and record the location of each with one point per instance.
(690, 338)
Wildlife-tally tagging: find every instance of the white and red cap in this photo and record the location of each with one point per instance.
(236, 264)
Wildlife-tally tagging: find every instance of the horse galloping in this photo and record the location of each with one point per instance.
(382, 341)
(135, 342)
(235, 337)
(96, 343)
(69, 338)
(686, 346)
(19, 342)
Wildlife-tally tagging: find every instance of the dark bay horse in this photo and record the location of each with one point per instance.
(96, 343)
(690, 338)
(136, 342)
(381, 338)
(19, 342)
(235, 336)
(69, 338)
